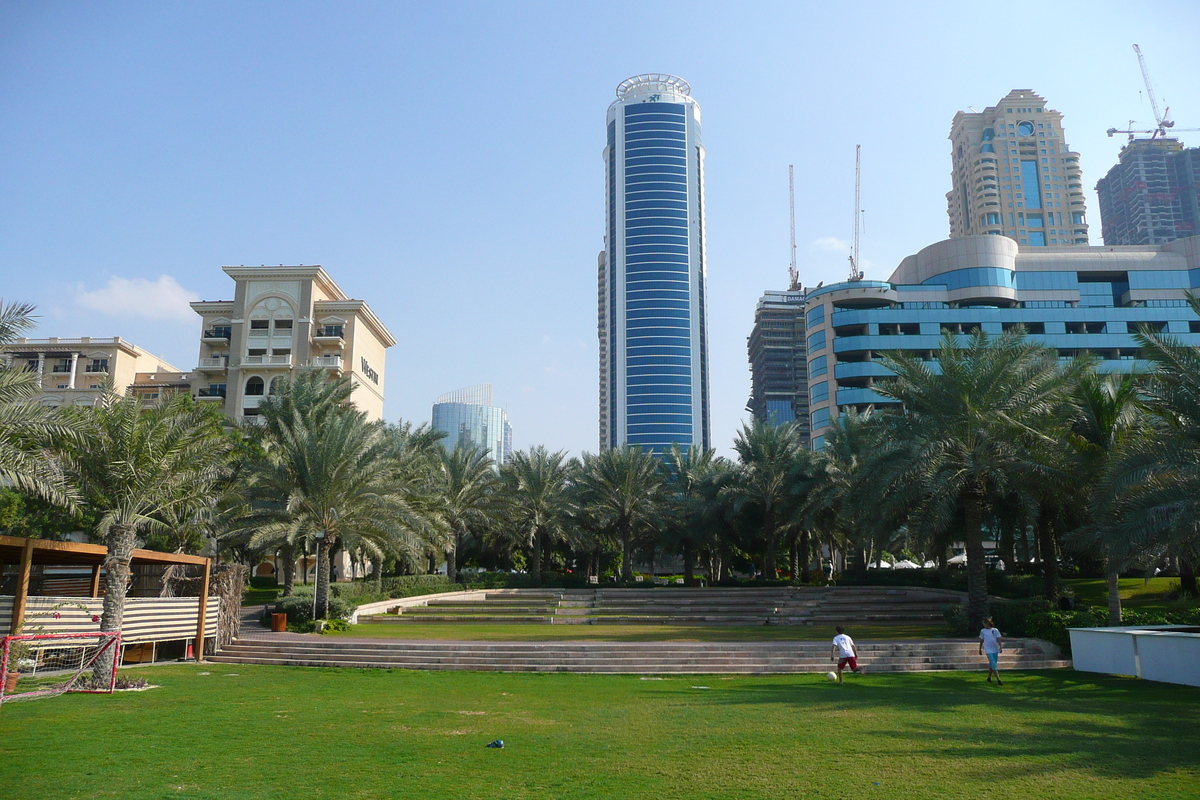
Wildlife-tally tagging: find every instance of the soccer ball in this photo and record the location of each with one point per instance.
(831, 675)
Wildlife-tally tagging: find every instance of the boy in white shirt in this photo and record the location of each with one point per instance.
(845, 652)
(989, 644)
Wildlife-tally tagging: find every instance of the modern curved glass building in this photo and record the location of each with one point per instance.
(652, 318)
(467, 416)
(1077, 300)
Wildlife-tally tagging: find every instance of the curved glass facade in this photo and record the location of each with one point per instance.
(466, 423)
(657, 392)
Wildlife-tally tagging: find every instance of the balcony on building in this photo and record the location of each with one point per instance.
(329, 334)
(61, 368)
(210, 364)
(268, 360)
(212, 392)
(217, 334)
(331, 362)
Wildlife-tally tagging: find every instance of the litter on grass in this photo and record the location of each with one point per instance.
(497, 744)
(701, 687)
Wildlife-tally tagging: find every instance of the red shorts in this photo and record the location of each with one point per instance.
(852, 661)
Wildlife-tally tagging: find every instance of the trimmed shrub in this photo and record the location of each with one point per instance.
(414, 585)
(298, 607)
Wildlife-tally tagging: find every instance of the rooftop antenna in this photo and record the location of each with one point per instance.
(855, 271)
(793, 273)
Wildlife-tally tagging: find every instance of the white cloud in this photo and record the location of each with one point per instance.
(832, 244)
(161, 299)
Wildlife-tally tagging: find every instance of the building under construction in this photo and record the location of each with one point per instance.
(778, 364)
(1152, 195)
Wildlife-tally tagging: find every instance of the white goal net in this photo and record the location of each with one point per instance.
(45, 664)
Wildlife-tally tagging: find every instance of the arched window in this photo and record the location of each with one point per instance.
(254, 386)
(277, 385)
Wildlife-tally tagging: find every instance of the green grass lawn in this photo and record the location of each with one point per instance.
(1136, 593)
(250, 732)
(532, 632)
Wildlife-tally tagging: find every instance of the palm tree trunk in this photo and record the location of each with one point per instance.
(120, 541)
(977, 593)
(769, 556)
(626, 552)
(1187, 576)
(321, 592)
(805, 556)
(452, 556)
(287, 555)
(377, 574)
(1048, 552)
(689, 563)
(1111, 579)
(535, 563)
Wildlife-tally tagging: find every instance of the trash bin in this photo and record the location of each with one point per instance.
(279, 623)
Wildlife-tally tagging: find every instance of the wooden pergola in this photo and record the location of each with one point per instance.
(27, 552)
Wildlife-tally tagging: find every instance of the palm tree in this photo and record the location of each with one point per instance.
(1106, 413)
(769, 455)
(1154, 484)
(536, 486)
(335, 482)
(467, 483)
(688, 518)
(970, 430)
(140, 467)
(28, 429)
(623, 490)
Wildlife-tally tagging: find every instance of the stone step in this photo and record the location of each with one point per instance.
(805, 650)
(406, 618)
(629, 657)
(1011, 662)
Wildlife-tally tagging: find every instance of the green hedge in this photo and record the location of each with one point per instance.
(1010, 617)
(1052, 625)
(1000, 584)
(298, 607)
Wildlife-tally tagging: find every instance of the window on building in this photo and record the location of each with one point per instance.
(259, 324)
(283, 324)
(254, 387)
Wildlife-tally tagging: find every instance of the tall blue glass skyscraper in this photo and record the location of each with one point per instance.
(652, 317)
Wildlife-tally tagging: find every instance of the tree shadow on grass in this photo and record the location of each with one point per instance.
(1039, 722)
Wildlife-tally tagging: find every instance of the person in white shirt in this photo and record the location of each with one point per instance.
(845, 652)
(989, 645)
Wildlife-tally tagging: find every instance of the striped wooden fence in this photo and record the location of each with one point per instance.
(147, 619)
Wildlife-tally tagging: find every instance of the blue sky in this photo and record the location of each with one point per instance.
(443, 162)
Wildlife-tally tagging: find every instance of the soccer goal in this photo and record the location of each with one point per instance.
(46, 664)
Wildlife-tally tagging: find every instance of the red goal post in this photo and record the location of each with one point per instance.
(46, 664)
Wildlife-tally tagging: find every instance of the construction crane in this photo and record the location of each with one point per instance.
(855, 271)
(793, 273)
(1163, 120)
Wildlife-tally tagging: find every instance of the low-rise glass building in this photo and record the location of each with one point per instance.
(1078, 300)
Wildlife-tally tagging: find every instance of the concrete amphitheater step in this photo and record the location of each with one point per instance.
(628, 657)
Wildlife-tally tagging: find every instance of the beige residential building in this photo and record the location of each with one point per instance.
(75, 372)
(1015, 175)
(283, 319)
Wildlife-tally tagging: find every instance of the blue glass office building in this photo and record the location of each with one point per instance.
(1078, 300)
(652, 319)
